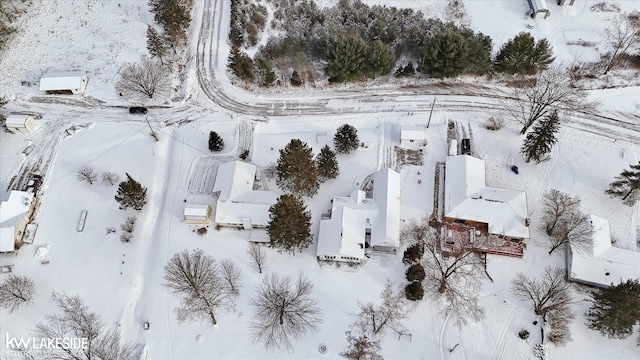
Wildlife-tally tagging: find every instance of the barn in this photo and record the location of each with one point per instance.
(17, 123)
(197, 214)
(72, 82)
(538, 9)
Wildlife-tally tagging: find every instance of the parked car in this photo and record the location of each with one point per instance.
(138, 110)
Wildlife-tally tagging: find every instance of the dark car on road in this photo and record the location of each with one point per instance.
(137, 110)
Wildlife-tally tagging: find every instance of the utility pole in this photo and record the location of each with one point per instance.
(153, 133)
(431, 112)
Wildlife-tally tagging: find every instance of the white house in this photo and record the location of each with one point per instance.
(412, 136)
(15, 213)
(358, 222)
(599, 263)
(468, 200)
(72, 82)
(539, 9)
(197, 214)
(239, 205)
(17, 123)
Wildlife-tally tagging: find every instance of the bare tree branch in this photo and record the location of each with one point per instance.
(232, 275)
(548, 293)
(258, 257)
(86, 173)
(375, 320)
(620, 37)
(15, 292)
(143, 80)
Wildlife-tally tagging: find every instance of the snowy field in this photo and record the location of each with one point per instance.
(123, 281)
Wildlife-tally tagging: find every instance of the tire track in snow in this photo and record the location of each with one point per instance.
(442, 335)
(501, 345)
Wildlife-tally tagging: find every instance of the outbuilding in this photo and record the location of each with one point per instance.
(538, 9)
(197, 214)
(71, 82)
(15, 214)
(17, 123)
(412, 136)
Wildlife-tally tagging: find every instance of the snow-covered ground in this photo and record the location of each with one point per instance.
(123, 281)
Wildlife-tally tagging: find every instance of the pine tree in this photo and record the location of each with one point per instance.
(479, 55)
(380, 59)
(627, 185)
(415, 272)
(346, 60)
(296, 171)
(444, 55)
(131, 194)
(155, 44)
(522, 55)
(290, 226)
(541, 139)
(414, 291)
(346, 139)
(615, 310)
(240, 64)
(327, 164)
(265, 71)
(216, 143)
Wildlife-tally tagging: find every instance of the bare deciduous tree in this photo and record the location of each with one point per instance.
(574, 229)
(453, 280)
(563, 221)
(146, 79)
(549, 292)
(555, 206)
(76, 319)
(110, 178)
(231, 275)
(374, 320)
(258, 258)
(86, 173)
(361, 347)
(550, 90)
(559, 325)
(16, 291)
(622, 34)
(129, 225)
(283, 311)
(195, 276)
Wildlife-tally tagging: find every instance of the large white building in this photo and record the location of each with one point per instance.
(358, 222)
(239, 205)
(599, 263)
(71, 82)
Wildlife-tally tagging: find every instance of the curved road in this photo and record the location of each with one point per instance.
(211, 75)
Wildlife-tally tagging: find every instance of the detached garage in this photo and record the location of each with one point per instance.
(64, 82)
(17, 123)
(197, 214)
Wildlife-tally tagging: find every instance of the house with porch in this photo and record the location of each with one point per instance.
(599, 263)
(240, 203)
(358, 222)
(15, 214)
(475, 215)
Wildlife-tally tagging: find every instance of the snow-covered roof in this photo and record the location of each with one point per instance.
(467, 197)
(600, 263)
(539, 5)
(196, 210)
(386, 194)
(352, 215)
(16, 120)
(11, 211)
(61, 80)
(231, 212)
(412, 133)
(233, 179)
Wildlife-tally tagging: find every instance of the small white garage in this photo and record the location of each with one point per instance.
(70, 82)
(412, 136)
(197, 214)
(18, 123)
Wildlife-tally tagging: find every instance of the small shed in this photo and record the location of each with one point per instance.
(71, 82)
(197, 214)
(17, 123)
(412, 136)
(538, 9)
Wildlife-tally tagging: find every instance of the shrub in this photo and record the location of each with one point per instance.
(414, 291)
(413, 254)
(523, 334)
(415, 273)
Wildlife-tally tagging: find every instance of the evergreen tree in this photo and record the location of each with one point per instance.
(413, 254)
(265, 71)
(327, 164)
(155, 44)
(414, 291)
(174, 17)
(415, 272)
(216, 143)
(523, 55)
(615, 310)
(627, 185)
(131, 194)
(346, 60)
(296, 80)
(479, 56)
(240, 64)
(346, 139)
(296, 171)
(444, 55)
(290, 226)
(380, 59)
(541, 139)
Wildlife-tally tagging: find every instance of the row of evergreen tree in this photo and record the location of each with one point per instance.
(174, 18)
